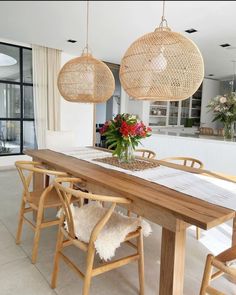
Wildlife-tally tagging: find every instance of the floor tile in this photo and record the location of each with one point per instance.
(17, 272)
(22, 278)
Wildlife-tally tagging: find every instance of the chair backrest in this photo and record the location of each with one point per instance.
(145, 153)
(65, 198)
(58, 140)
(26, 169)
(206, 131)
(186, 161)
(220, 131)
(65, 192)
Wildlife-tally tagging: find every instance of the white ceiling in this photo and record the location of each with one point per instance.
(115, 25)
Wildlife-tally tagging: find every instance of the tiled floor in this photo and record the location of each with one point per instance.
(19, 276)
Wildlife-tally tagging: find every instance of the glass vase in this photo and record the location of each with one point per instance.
(229, 130)
(127, 154)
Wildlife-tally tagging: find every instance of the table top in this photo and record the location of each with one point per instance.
(184, 207)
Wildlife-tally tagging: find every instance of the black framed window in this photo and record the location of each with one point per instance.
(17, 130)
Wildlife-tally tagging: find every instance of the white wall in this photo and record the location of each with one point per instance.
(101, 113)
(123, 101)
(139, 108)
(77, 117)
(218, 156)
(211, 88)
(15, 42)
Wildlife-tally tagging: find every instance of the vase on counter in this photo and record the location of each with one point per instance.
(228, 130)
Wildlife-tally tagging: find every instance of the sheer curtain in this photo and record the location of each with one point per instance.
(46, 66)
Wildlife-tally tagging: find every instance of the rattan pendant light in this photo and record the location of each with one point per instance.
(162, 65)
(86, 79)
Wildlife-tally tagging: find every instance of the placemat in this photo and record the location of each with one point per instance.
(135, 165)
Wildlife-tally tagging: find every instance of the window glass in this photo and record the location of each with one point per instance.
(10, 106)
(28, 102)
(9, 137)
(9, 63)
(17, 130)
(29, 135)
(27, 66)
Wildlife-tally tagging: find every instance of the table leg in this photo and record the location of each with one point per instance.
(234, 232)
(172, 262)
(38, 184)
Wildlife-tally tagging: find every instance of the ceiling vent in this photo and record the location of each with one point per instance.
(225, 45)
(190, 31)
(71, 41)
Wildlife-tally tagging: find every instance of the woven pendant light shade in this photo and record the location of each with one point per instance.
(86, 79)
(162, 65)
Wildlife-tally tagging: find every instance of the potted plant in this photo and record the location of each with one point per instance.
(123, 134)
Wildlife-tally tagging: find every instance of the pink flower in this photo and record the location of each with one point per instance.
(104, 128)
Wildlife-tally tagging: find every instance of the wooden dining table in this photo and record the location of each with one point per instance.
(174, 211)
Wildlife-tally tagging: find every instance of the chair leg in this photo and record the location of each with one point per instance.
(37, 235)
(20, 223)
(198, 233)
(207, 275)
(141, 263)
(89, 268)
(56, 259)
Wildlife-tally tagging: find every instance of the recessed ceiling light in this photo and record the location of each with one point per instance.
(7, 60)
(190, 31)
(71, 41)
(210, 75)
(225, 45)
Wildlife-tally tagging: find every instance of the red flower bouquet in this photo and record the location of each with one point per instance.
(123, 134)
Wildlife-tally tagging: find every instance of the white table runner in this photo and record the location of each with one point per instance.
(212, 190)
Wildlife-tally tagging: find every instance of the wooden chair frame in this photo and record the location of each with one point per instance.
(146, 153)
(206, 131)
(65, 195)
(27, 204)
(218, 262)
(189, 162)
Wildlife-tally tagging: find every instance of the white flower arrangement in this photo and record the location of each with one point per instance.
(224, 107)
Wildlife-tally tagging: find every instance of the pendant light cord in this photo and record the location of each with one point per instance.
(163, 19)
(163, 10)
(87, 34)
